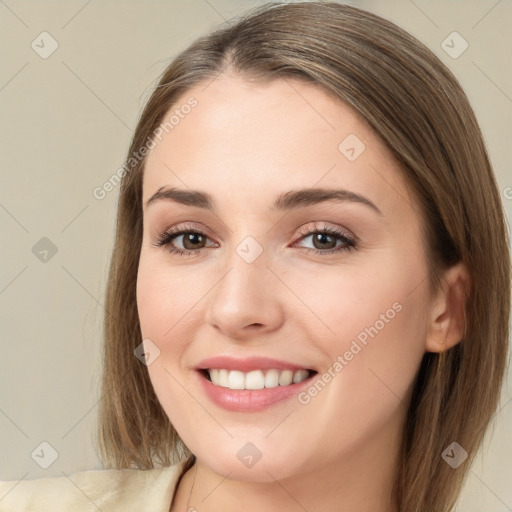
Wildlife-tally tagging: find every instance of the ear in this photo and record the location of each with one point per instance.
(447, 321)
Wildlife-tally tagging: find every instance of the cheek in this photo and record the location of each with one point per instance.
(159, 311)
(165, 308)
(379, 298)
(375, 323)
(170, 304)
(164, 296)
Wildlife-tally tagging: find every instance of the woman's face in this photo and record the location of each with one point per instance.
(276, 283)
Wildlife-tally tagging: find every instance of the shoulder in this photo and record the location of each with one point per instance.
(106, 490)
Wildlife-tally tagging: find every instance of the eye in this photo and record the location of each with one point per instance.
(326, 240)
(191, 239)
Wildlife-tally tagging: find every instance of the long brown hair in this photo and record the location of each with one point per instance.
(416, 106)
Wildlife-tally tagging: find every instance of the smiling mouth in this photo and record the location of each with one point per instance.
(256, 379)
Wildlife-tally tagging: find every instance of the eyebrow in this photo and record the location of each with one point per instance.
(284, 202)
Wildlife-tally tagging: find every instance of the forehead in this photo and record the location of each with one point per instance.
(261, 138)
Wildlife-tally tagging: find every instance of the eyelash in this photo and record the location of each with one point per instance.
(164, 240)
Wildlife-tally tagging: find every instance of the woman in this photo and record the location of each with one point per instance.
(309, 293)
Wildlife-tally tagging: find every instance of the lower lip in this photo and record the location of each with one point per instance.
(250, 400)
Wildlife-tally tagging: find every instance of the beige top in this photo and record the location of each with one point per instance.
(107, 490)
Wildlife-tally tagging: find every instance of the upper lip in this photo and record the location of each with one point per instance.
(248, 364)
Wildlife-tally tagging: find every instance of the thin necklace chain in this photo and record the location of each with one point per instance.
(191, 489)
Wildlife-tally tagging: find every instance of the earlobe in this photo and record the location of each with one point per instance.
(447, 322)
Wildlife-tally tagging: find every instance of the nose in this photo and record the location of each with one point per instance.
(247, 301)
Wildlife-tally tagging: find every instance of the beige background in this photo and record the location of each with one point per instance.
(65, 124)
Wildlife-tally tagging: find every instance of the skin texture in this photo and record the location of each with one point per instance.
(245, 143)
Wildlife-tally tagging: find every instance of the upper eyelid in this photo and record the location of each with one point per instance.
(301, 230)
(326, 227)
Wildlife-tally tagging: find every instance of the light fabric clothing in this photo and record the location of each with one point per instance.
(107, 490)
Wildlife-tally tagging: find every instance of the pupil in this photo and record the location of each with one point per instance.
(190, 238)
(321, 238)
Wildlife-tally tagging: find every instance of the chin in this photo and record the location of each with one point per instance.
(263, 471)
(246, 462)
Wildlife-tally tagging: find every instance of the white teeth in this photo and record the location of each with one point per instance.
(236, 380)
(286, 378)
(271, 379)
(300, 376)
(223, 378)
(256, 379)
(214, 375)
